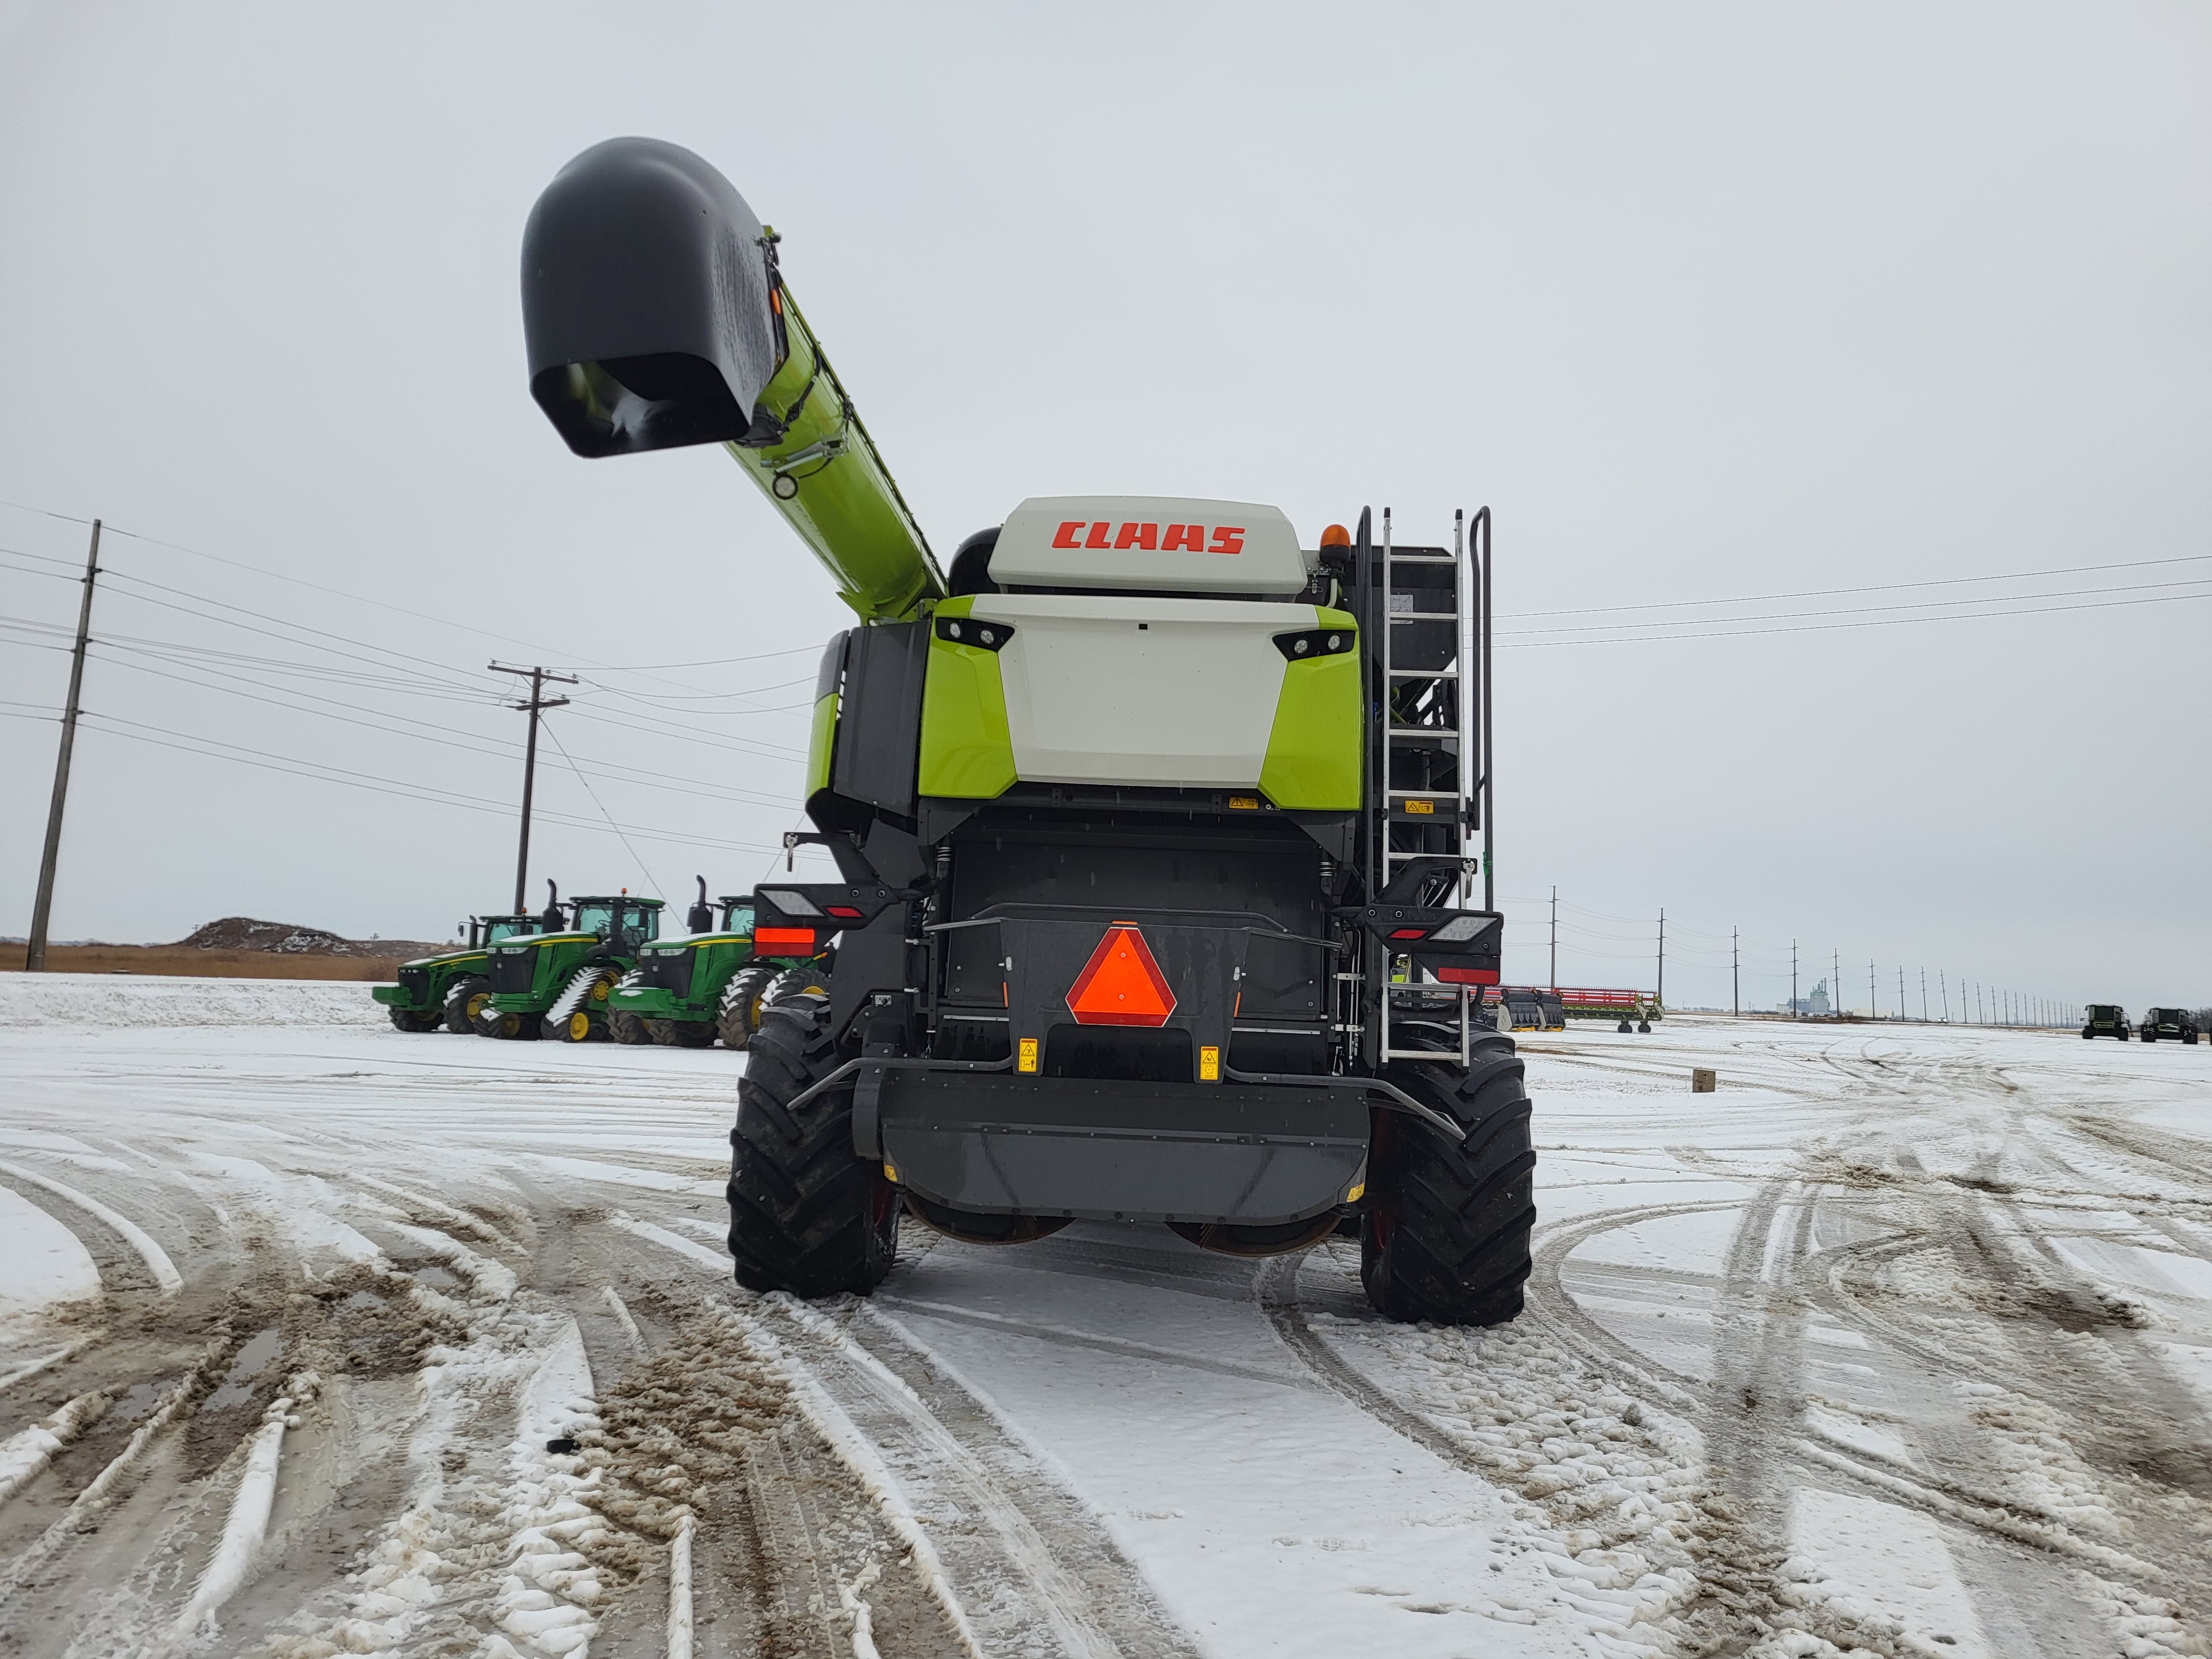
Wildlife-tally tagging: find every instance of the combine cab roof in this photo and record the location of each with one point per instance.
(1149, 544)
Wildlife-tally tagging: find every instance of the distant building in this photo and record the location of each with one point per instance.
(1816, 1006)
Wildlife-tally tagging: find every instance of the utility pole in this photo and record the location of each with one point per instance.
(1980, 1018)
(1901, 1015)
(1793, 979)
(1736, 973)
(42, 907)
(537, 704)
(1836, 979)
(1874, 1004)
(1555, 936)
(1923, 996)
(1660, 995)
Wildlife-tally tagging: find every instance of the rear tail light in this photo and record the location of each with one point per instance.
(782, 941)
(1413, 932)
(846, 913)
(1466, 975)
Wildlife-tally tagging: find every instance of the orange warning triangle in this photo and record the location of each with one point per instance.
(1121, 984)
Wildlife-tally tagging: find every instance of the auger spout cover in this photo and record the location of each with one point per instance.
(655, 316)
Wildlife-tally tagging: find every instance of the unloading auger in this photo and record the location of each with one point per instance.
(1156, 830)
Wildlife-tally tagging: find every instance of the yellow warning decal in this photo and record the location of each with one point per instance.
(1209, 1064)
(1423, 806)
(1028, 1062)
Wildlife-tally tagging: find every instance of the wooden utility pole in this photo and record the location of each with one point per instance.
(34, 955)
(537, 704)
(1659, 995)
(1555, 938)
(1735, 972)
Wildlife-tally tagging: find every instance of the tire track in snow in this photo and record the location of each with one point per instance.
(1014, 1526)
(167, 1279)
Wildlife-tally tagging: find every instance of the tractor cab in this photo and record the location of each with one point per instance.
(737, 912)
(622, 923)
(484, 932)
(2106, 1019)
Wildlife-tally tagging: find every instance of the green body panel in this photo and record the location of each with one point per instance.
(553, 961)
(843, 503)
(439, 974)
(1316, 748)
(966, 748)
(720, 958)
(821, 742)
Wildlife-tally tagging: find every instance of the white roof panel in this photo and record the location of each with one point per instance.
(1149, 543)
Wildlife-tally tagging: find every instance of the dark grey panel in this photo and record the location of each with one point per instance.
(879, 716)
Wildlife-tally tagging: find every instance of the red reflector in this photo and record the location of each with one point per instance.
(1411, 933)
(781, 941)
(845, 913)
(1121, 984)
(1468, 976)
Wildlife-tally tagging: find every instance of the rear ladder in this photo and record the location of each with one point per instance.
(1427, 754)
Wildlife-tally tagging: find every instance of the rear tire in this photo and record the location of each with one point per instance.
(792, 980)
(745, 999)
(463, 1002)
(1445, 1237)
(414, 1024)
(625, 1027)
(681, 1033)
(806, 1214)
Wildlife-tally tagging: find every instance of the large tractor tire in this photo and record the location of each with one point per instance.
(1445, 1237)
(806, 1216)
(681, 1033)
(465, 1000)
(625, 1027)
(509, 1028)
(807, 976)
(745, 999)
(414, 1024)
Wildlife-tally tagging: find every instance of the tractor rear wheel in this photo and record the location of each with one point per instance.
(1445, 1237)
(464, 1001)
(625, 1027)
(745, 999)
(806, 1215)
(413, 1023)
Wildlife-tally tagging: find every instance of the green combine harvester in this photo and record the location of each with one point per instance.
(689, 989)
(1156, 828)
(558, 984)
(445, 991)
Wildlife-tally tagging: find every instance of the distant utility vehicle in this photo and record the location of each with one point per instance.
(689, 990)
(2105, 1019)
(443, 990)
(2167, 1025)
(558, 984)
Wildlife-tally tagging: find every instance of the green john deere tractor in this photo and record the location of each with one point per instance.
(445, 991)
(690, 988)
(1155, 825)
(558, 984)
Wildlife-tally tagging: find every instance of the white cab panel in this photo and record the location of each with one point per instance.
(1141, 690)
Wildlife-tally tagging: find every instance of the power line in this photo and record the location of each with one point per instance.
(1827, 628)
(1876, 588)
(320, 772)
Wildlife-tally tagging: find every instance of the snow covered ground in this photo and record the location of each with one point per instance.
(317, 1338)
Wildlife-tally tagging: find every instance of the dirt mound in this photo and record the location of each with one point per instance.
(287, 939)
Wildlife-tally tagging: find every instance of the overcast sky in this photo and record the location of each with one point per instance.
(1707, 303)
